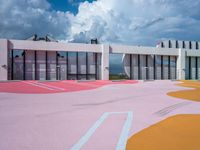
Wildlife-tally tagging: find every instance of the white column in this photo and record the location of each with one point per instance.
(4, 59)
(181, 65)
(105, 63)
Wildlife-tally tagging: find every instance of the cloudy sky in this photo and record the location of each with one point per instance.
(132, 22)
(140, 22)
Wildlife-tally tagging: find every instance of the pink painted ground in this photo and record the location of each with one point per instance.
(41, 87)
(57, 121)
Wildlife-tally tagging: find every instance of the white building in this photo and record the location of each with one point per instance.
(50, 60)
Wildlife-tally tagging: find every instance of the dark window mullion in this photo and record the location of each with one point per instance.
(24, 65)
(162, 68)
(154, 66)
(189, 67)
(46, 64)
(169, 66)
(147, 69)
(139, 73)
(86, 66)
(35, 53)
(96, 66)
(196, 68)
(12, 64)
(57, 74)
(175, 67)
(77, 66)
(131, 69)
(67, 66)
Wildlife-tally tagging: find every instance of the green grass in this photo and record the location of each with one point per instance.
(118, 77)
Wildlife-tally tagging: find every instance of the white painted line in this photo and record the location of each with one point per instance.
(89, 133)
(121, 145)
(32, 83)
(51, 86)
(125, 132)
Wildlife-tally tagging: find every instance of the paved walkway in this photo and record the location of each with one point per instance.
(101, 118)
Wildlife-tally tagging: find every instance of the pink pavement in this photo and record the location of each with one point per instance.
(58, 121)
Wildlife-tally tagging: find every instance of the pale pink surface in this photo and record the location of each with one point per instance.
(57, 121)
(109, 130)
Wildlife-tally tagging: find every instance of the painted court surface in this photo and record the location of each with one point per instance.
(100, 115)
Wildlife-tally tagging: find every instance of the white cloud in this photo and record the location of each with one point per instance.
(137, 21)
(23, 19)
(141, 22)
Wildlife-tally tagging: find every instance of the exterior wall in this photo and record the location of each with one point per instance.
(30, 60)
(4, 59)
(105, 62)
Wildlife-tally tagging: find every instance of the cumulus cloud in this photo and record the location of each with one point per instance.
(142, 22)
(23, 19)
(137, 21)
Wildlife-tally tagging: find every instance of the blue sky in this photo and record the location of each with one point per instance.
(66, 5)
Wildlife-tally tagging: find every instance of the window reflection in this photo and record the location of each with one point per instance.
(18, 65)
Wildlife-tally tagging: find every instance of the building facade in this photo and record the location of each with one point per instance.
(164, 67)
(52, 60)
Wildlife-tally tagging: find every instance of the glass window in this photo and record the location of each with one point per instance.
(72, 63)
(62, 65)
(18, 64)
(82, 63)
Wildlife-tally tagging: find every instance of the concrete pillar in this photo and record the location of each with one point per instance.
(4, 60)
(181, 64)
(105, 63)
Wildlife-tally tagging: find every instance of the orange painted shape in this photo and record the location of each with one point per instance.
(193, 94)
(180, 132)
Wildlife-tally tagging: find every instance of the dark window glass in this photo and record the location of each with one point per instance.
(18, 64)
(190, 45)
(170, 44)
(197, 45)
(177, 45)
(183, 44)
